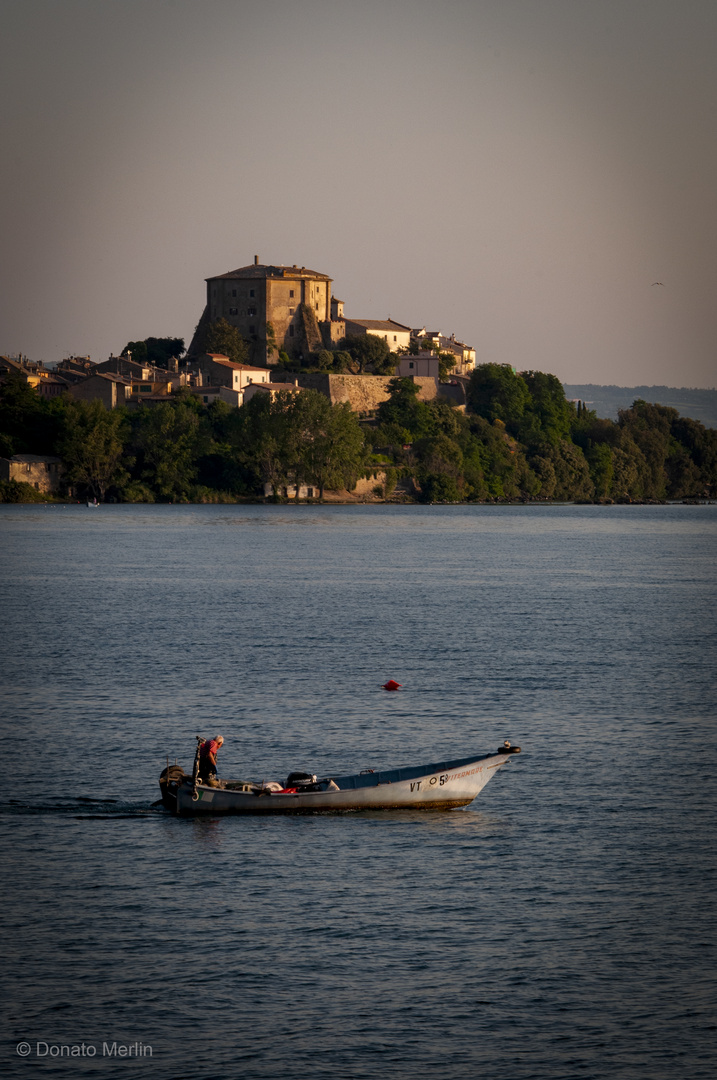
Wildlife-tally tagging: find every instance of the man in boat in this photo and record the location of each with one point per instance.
(208, 758)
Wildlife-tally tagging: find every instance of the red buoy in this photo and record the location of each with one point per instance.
(392, 685)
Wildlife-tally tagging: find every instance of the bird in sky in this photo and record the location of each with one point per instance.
(657, 283)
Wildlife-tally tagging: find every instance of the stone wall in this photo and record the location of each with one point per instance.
(364, 393)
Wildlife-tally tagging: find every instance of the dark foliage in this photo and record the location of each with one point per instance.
(520, 440)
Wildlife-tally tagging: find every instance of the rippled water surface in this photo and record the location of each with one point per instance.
(560, 927)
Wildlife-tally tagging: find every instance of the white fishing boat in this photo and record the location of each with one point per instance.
(443, 785)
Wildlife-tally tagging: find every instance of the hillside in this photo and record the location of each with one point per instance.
(606, 400)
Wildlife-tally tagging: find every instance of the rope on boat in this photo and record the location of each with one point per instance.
(195, 770)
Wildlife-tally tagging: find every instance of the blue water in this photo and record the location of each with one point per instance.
(560, 927)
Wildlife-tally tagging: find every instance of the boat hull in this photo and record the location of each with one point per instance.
(441, 786)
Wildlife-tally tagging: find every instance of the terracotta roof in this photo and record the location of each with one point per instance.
(275, 386)
(239, 367)
(256, 271)
(110, 376)
(34, 459)
(378, 324)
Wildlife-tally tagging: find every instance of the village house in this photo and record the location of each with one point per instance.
(209, 394)
(424, 364)
(464, 355)
(270, 389)
(75, 368)
(111, 390)
(29, 371)
(288, 491)
(43, 472)
(219, 370)
(396, 335)
(126, 367)
(225, 372)
(52, 385)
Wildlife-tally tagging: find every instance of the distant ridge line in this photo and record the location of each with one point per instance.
(698, 403)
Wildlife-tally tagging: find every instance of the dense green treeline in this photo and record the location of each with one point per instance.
(183, 451)
(519, 439)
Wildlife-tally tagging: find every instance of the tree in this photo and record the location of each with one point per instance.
(155, 351)
(404, 412)
(495, 392)
(319, 442)
(324, 360)
(167, 442)
(224, 338)
(342, 360)
(446, 362)
(28, 424)
(135, 350)
(300, 437)
(648, 427)
(564, 471)
(547, 415)
(440, 468)
(368, 352)
(602, 469)
(91, 445)
(257, 440)
(334, 450)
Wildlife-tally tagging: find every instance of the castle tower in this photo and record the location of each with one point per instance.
(273, 307)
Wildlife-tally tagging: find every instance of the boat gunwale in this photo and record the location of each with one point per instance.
(280, 802)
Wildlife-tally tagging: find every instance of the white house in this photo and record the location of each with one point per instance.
(221, 371)
(396, 335)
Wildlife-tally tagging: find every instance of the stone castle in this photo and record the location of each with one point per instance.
(273, 307)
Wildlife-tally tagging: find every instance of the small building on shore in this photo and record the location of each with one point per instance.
(41, 471)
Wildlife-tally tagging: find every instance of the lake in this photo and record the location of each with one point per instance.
(562, 926)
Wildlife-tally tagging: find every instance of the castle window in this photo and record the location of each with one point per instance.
(233, 310)
(251, 292)
(234, 292)
(292, 310)
(291, 292)
(395, 338)
(251, 311)
(317, 305)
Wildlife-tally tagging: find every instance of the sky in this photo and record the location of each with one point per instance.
(517, 172)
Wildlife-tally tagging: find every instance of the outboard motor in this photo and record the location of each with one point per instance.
(302, 781)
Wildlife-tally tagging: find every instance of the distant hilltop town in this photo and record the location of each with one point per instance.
(271, 327)
(290, 309)
(281, 394)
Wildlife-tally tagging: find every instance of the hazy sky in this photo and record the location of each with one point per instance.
(518, 172)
